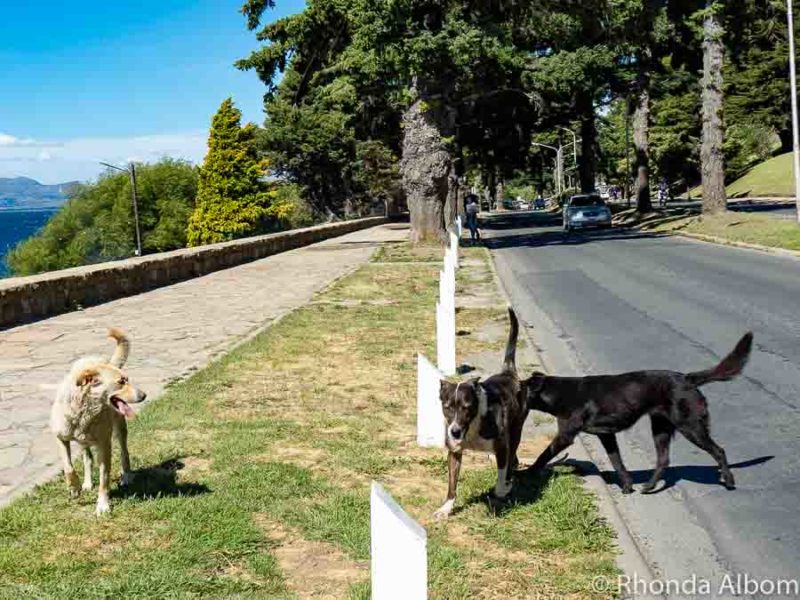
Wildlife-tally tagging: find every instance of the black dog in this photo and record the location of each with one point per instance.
(485, 415)
(607, 404)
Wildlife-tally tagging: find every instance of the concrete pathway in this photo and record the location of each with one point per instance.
(174, 330)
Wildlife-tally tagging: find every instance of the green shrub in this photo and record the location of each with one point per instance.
(96, 223)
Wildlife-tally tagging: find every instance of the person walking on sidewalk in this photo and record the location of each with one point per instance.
(472, 210)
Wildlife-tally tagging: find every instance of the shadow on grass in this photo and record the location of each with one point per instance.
(528, 488)
(706, 475)
(159, 481)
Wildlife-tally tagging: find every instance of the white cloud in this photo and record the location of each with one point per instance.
(78, 159)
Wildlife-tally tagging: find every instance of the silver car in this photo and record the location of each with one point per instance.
(586, 210)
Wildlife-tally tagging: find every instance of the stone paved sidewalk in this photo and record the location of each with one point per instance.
(174, 330)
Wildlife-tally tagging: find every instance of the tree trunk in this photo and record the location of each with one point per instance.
(712, 160)
(588, 160)
(641, 142)
(425, 169)
(500, 194)
(492, 187)
(455, 203)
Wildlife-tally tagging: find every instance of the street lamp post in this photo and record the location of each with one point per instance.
(558, 174)
(131, 170)
(793, 80)
(574, 141)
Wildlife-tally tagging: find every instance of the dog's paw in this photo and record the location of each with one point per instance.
(73, 484)
(648, 488)
(444, 511)
(728, 482)
(103, 507)
(628, 489)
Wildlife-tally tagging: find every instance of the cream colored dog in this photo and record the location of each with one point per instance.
(93, 401)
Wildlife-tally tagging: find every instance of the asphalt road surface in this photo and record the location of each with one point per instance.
(615, 301)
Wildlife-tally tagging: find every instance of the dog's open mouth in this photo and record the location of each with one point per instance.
(122, 407)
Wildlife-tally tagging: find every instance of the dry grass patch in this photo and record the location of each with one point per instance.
(315, 570)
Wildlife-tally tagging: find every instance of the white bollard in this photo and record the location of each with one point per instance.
(447, 285)
(459, 226)
(446, 337)
(399, 550)
(430, 419)
(454, 248)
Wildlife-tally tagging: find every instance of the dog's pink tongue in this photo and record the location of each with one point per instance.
(124, 409)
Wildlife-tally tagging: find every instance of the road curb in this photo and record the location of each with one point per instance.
(631, 559)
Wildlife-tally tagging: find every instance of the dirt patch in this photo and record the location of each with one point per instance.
(193, 465)
(301, 456)
(312, 569)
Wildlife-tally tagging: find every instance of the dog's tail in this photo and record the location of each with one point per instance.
(730, 366)
(123, 349)
(510, 360)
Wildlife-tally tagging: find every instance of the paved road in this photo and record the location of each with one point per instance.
(174, 330)
(618, 301)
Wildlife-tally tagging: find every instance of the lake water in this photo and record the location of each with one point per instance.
(15, 226)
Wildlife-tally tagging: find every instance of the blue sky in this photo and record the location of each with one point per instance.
(84, 80)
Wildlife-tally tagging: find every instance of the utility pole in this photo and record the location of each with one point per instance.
(131, 170)
(795, 136)
(136, 211)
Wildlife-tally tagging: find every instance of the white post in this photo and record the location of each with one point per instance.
(445, 288)
(793, 80)
(446, 338)
(430, 419)
(454, 248)
(398, 550)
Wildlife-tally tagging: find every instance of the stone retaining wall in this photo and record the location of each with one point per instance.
(25, 299)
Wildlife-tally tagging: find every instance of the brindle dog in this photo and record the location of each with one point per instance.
(485, 415)
(604, 405)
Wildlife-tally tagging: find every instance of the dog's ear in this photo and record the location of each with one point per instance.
(474, 381)
(536, 382)
(445, 389)
(87, 377)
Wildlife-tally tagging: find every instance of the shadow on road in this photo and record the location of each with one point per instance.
(540, 232)
(706, 475)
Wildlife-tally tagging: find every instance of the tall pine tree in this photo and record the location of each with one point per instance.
(233, 200)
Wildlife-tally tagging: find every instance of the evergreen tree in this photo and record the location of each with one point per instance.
(233, 200)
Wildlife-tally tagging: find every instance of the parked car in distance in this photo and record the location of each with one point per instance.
(539, 204)
(523, 205)
(509, 203)
(586, 210)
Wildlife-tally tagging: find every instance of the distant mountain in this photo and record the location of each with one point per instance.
(22, 192)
